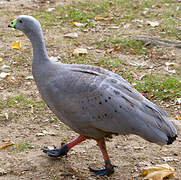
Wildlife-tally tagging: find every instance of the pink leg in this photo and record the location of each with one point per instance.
(63, 150)
(76, 141)
(102, 145)
(109, 168)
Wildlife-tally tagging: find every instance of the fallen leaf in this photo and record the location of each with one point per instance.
(29, 77)
(4, 75)
(136, 64)
(168, 159)
(126, 26)
(167, 67)
(169, 63)
(2, 171)
(151, 54)
(40, 134)
(6, 116)
(16, 45)
(179, 100)
(137, 20)
(99, 18)
(178, 117)
(80, 52)
(78, 24)
(6, 144)
(5, 67)
(116, 47)
(51, 133)
(50, 9)
(71, 35)
(114, 27)
(157, 172)
(55, 59)
(153, 23)
(45, 132)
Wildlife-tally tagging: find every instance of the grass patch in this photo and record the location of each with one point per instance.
(125, 45)
(15, 100)
(111, 63)
(47, 18)
(163, 87)
(21, 146)
(132, 46)
(22, 102)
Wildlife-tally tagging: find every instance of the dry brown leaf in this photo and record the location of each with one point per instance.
(116, 47)
(151, 54)
(6, 144)
(99, 18)
(157, 172)
(158, 175)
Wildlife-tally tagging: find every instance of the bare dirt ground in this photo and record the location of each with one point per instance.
(26, 121)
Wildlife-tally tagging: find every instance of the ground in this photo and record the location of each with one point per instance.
(27, 122)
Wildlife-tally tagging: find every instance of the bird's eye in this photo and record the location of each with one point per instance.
(20, 21)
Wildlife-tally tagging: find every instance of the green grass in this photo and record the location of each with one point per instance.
(125, 45)
(164, 11)
(163, 87)
(15, 100)
(109, 62)
(20, 101)
(22, 145)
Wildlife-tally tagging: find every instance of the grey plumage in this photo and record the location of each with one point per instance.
(94, 102)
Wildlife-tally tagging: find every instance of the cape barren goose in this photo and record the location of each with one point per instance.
(92, 101)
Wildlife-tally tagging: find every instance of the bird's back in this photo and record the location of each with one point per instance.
(95, 103)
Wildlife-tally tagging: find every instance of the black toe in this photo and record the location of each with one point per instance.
(102, 172)
(56, 152)
(171, 139)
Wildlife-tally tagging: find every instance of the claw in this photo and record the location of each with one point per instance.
(103, 172)
(56, 152)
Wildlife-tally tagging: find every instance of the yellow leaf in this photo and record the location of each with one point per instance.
(1, 59)
(178, 117)
(159, 175)
(6, 144)
(157, 172)
(98, 18)
(16, 45)
(80, 52)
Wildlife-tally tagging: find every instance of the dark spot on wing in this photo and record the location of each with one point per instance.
(113, 81)
(116, 92)
(132, 105)
(127, 89)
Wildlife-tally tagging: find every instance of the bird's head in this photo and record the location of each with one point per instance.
(26, 24)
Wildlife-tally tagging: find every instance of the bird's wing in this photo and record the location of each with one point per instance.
(115, 106)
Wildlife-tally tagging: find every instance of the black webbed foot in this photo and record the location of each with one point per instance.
(56, 152)
(103, 172)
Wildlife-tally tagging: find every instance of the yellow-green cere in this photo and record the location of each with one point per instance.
(13, 23)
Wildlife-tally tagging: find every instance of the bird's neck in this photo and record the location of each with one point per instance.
(39, 50)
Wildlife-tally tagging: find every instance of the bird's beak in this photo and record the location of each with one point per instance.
(12, 24)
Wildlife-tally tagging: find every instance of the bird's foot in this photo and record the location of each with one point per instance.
(103, 172)
(56, 152)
